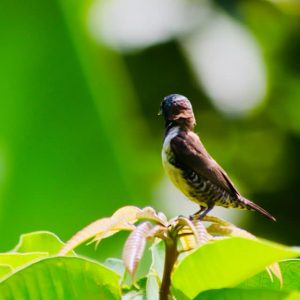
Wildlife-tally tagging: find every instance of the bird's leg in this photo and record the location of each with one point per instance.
(197, 215)
(205, 212)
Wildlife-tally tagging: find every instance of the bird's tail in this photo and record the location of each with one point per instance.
(252, 206)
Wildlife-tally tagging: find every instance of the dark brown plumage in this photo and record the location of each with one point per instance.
(190, 166)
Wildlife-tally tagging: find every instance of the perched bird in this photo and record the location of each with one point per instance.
(189, 166)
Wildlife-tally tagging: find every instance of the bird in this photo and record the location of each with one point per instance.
(190, 167)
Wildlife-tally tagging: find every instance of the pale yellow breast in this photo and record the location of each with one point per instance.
(174, 173)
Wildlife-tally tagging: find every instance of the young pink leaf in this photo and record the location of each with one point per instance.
(135, 246)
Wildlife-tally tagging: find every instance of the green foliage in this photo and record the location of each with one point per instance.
(290, 272)
(32, 274)
(39, 241)
(62, 278)
(226, 263)
(220, 268)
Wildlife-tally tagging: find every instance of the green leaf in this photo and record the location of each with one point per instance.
(291, 278)
(39, 241)
(16, 260)
(116, 265)
(5, 269)
(156, 270)
(62, 278)
(158, 257)
(237, 294)
(136, 291)
(30, 248)
(152, 288)
(225, 263)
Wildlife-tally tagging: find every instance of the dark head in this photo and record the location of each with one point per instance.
(177, 110)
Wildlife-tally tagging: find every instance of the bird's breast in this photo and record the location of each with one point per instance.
(169, 162)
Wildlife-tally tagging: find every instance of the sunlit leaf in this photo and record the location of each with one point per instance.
(187, 239)
(62, 278)
(189, 224)
(213, 219)
(225, 263)
(157, 231)
(238, 232)
(149, 213)
(122, 219)
(39, 241)
(202, 235)
(85, 234)
(134, 247)
(31, 248)
(231, 230)
(192, 234)
(127, 213)
(162, 216)
(16, 260)
(4, 270)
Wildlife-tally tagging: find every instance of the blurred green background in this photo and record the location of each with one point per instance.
(81, 83)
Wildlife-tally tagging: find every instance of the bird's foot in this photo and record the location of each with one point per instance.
(195, 217)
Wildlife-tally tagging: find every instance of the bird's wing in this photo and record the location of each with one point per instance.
(190, 153)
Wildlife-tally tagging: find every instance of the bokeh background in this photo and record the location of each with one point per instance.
(81, 83)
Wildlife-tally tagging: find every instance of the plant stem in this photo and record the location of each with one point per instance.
(171, 255)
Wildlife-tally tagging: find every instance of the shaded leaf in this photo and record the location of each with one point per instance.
(116, 265)
(137, 291)
(157, 259)
(134, 295)
(62, 278)
(225, 263)
(134, 247)
(152, 287)
(275, 269)
(237, 294)
(291, 278)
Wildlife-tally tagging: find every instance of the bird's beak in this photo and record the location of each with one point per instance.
(159, 112)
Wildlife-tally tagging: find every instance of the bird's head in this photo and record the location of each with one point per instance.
(177, 110)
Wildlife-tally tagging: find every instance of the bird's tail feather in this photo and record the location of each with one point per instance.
(252, 206)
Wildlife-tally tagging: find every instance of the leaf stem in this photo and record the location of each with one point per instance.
(171, 254)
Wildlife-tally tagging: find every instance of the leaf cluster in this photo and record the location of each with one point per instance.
(191, 259)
